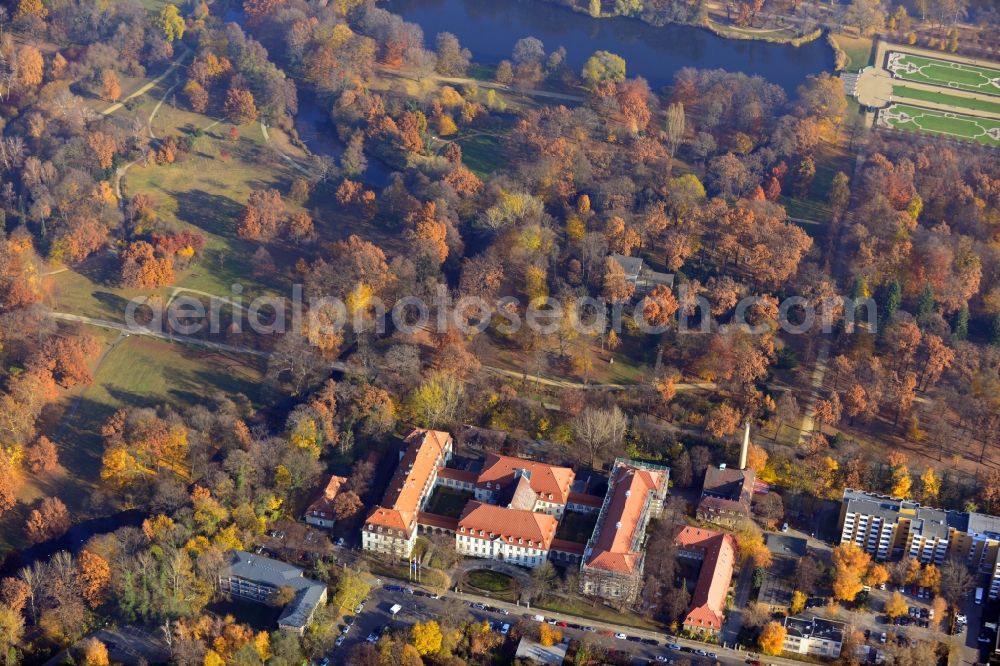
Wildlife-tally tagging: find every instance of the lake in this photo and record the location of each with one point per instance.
(489, 29)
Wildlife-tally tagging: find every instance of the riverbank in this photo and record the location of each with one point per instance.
(779, 35)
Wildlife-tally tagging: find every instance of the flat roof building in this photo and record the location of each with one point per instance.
(260, 579)
(814, 636)
(891, 528)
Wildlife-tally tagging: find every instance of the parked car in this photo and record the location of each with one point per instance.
(505, 628)
(360, 608)
(503, 611)
(712, 655)
(561, 623)
(589, 629)
(325, 661)
(340, 640)
(393, 588)
(650, 641)
(882, 638)
(479, 606)
(674, 646)
(784, 527)
(701, 653)
(340, 541)
(372, 637)
(620, 636)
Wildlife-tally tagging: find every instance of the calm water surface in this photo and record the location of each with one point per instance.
(489, 29)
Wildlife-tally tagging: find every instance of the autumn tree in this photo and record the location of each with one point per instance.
(240, 106)
(95, 653)
(896, 606)
(42, 456)
(850, 564)
(723, 420)
(141, 268)
(549, 635)
(262, 217)
(197, 96)
(171, 22)
(603, 66)
(772, 638)
(617, 288)
(659, 306)
(30, 66)
(50, 519)
(111, 88)
(94, 576)
(347, 504)
(426, 637)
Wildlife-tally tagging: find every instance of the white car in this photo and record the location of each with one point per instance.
(340, 640)
(504, 629)
(503, 611)
(620, 636)
(360, 608)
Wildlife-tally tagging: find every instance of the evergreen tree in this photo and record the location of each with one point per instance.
(926, 304)
(960, 329)
(892, 297)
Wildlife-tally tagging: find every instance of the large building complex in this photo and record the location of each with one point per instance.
(391, 527)
(517, 536)
(534, 485)
(260, 579)
(890, 528)
(613, 558)
(716, 551)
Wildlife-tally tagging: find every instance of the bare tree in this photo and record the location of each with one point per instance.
(956, 581)
(598, 430)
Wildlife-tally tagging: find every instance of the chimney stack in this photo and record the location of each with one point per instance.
(746, 444)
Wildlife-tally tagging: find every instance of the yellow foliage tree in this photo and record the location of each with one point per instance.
(549, 635)
(798, 602)
(850, 564)
(901, 482)
(876, 575)
(772, 638)
(896, 606)
(31, 8)
(95, 653)
(445, 125)
(930, 487)
(172, 24)
(426, 637)
(931, 577)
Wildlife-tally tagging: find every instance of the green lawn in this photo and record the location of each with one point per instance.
(596, 611)
(946, 73)
(973, 104)
(575, 526)
(493, 582)
(953, 125)
(483, 154)
(448, 501)
(857, 49)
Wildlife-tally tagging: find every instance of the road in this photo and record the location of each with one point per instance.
(418, 608)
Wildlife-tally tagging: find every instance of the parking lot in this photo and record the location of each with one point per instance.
(375, 617)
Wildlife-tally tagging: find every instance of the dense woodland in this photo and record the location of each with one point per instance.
(692, 178)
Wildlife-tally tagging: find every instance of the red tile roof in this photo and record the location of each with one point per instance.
(322, 507)
(630, 489)
(508, 524)
(585, 499)
(567, 546)
(436, 520)
(424, 454)
(718, 552)
(457, 474)
(550, 482)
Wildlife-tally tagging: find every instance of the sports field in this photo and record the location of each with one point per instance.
(942, 123)
(945, 73)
